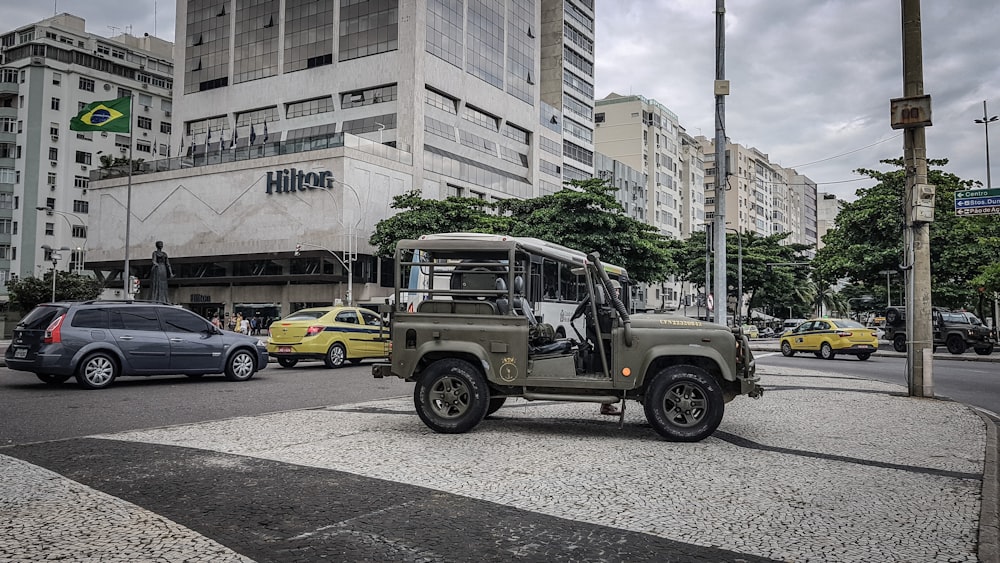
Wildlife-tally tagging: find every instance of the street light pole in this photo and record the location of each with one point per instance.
(888, 296)
(345, 263)
(986, 125)
(54, 256)
(350, 255)
(65, 215)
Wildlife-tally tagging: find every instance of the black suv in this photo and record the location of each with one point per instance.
(97, 341)
(956, 330)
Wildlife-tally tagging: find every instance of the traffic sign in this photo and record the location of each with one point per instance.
(964, 194)
(995, 210)
(977, 202)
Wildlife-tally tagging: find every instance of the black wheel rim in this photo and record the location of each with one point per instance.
(450, 397)
(685, 404)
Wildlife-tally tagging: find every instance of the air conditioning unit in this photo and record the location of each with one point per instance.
(104, 133)
(145, 108)
(55, 137)
(53, 163)
(167, 113)
(83, 167)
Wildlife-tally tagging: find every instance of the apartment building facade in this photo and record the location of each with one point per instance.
(49, 70)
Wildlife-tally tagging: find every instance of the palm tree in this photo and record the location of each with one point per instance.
(823, 300)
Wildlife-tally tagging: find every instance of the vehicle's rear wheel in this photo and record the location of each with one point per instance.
(335, 356)
(985, 351)
(240, 366)
(826, 351)
(451, 396)
(495, 404)
(899, 343)
(955, 344)
(864, 357)
(287, 362)
(684, 403)
(52, 379)
(97, 371)
(786, 348)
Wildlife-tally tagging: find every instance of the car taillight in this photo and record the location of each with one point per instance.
(844, 334)
(314, 330)
(53, 334)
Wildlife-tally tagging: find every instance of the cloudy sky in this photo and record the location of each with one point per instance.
(810, 80)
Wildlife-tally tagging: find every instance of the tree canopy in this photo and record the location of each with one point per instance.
(26, 293)
(868, 238)
(585, 216)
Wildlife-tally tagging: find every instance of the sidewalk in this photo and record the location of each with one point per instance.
(823, 468)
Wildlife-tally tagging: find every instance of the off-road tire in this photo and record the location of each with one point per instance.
(684, 403)
(892, 317)
(287, 362)
(985, 351)
(899, 343)
(956, 345)
(786, 349)
(826, 351)
(451, 396)
(864, 357)
(240, 366)
(52, 379)
(335, 357)
(495, 404)
(97, 371)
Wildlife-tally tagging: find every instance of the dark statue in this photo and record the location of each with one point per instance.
(160, 273)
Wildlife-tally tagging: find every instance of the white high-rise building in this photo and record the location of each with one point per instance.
(50, 70)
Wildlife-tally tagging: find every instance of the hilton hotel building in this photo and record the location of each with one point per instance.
(361, 101)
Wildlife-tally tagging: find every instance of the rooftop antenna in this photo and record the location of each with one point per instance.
(154, 18)
(114, 29)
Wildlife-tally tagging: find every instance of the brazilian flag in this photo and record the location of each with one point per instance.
(112, 115)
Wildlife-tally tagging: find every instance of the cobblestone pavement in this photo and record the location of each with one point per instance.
(821, 469)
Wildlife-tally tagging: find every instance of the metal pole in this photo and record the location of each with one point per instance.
(128, 199)
(918, 302)
(721, 170)
(53, 278)
(986, 125)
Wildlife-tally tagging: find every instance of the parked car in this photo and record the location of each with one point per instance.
(331, 334)
(767, 332)
(99, 341)
(828, 337)
(751, 331)
(956, 330)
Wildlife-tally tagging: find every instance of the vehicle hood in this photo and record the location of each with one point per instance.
(677, 322)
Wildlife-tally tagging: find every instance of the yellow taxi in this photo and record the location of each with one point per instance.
(828, 337)
(331, 334)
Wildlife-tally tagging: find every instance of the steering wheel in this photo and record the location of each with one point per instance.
(580, 309)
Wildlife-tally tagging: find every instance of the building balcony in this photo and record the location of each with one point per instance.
(8, 88)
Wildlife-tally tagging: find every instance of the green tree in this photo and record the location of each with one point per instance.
(868, 237)
(584, 216)
(26, 293)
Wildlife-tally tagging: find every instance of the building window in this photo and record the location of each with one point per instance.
(8, 227)
(81, 182)
(309, 107)
(86, 84)
(480, 118)
(143, 146)
(445, 21)
(52, 179)
(50, 229)
(81, 206)
(53, 153)
(441, 101)
(165, 127)
(144, 122)
(56, 79)
(368, 28)
(368, 97)
(124, 93)
(79, 231)
(370, 124)
(6, 252)
(484, 42)
(255, 46)
(55, 104)
(308, 34)
(83, 157)
(6, 200)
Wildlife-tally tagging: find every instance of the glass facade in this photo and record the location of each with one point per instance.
(521, 50)
(484, 37)
(256, 44)
(368, 27)
(309, 107)
(370, 124)
(369, 96)
(445, 20)
(308, 34)
(206, 58)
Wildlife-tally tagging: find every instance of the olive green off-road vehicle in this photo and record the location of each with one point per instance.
(464, 331)
(955, 330)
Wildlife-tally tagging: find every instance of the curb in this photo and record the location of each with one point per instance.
(989, 515)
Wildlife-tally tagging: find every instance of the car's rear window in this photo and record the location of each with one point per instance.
(40, 317)
(305, 316)
(846, 323)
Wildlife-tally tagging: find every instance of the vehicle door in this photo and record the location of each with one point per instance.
(800, 336)
(937, 325)
(136, 330)
(375, 339)
(819, 332)
(195, 345)
(354, 335)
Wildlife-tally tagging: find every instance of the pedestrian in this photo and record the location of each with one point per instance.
(253, 326)
(245, 326)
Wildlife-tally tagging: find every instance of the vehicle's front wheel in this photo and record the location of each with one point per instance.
(451, 396)
(52, 379)
(684, 403)
(97, 371)
(985, 351)
(955, 344)
(864, 357)
(826, 351)
(287, 362)
(240, 366)
(335, 356)
(899, 343)
(786, 348)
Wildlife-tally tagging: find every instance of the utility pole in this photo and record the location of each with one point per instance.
(721, 169)
(912, 113)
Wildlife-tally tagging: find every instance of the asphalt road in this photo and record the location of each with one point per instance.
(973, 383)
(32, 411)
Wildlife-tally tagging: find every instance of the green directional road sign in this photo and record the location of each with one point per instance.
(965, 194)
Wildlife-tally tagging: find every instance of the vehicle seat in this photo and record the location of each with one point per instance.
(503, 304)
(521, 304)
